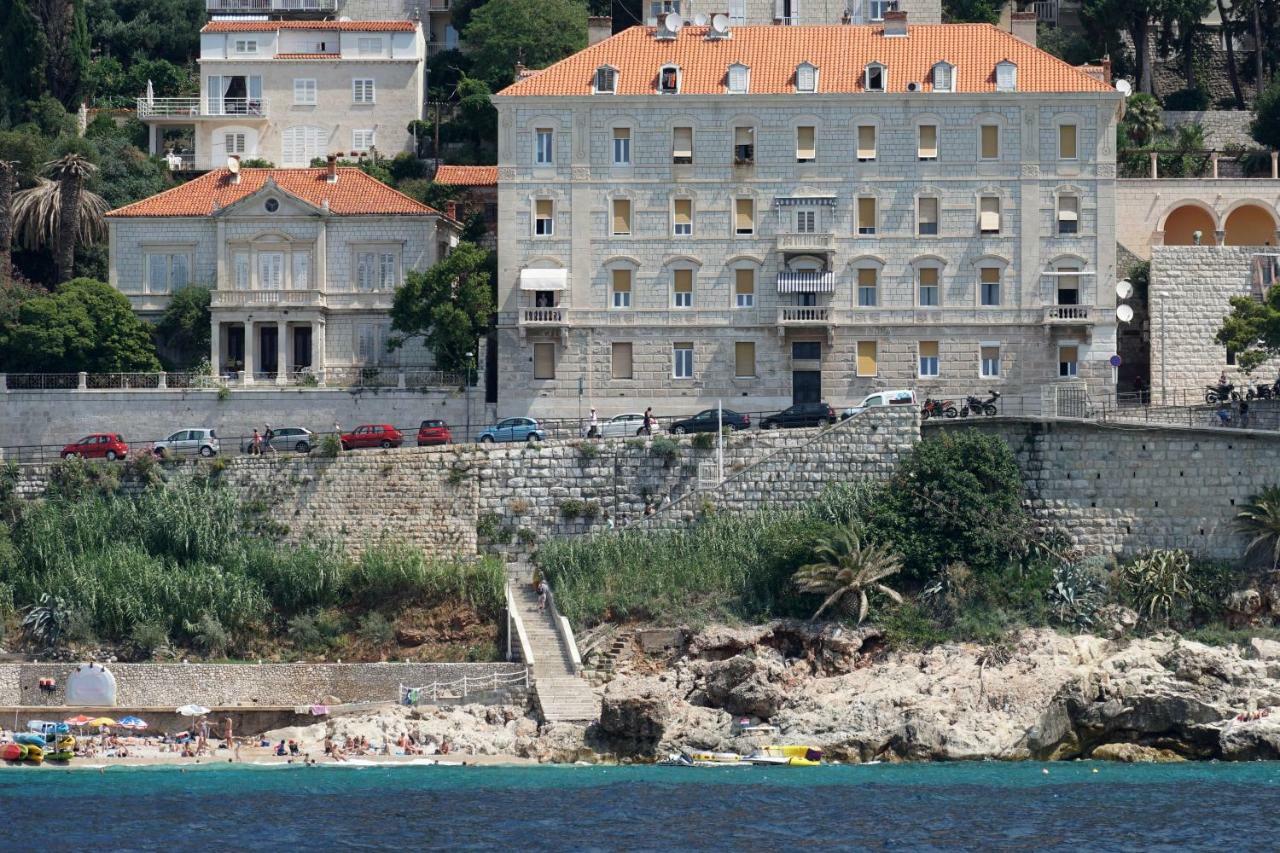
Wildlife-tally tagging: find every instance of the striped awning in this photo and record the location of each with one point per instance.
(806, 282)
(805, 201)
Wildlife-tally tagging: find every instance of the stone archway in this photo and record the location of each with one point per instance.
(1250, 225)
(1182, 223)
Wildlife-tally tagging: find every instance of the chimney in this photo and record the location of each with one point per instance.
(451, 209)
(332, 167)
(1106, 69)
(235, 175)
(599, 28)
(895, 24)
(1023, 26)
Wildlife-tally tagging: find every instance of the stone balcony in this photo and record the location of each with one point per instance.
(805, 315)
(806, 242)
(1069, 315)
(268, 299)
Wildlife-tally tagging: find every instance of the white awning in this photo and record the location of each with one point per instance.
(806, 282)
(544, 279)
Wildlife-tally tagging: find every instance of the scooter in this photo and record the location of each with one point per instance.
(977, 406)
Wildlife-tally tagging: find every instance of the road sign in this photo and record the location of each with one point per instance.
(1115, 361)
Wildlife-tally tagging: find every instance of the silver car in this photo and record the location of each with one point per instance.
(188, 442)
(623, 426)
(284, 438)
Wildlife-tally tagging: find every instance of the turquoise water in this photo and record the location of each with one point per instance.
(987, 806)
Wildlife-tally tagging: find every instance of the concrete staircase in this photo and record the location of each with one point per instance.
(563, 696)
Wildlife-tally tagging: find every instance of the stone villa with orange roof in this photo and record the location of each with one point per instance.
(781, 214)
(304, 265)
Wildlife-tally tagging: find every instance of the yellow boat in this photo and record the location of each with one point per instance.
(35, 753)
(787, 756)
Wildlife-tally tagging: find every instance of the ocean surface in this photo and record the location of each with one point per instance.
(987, 806)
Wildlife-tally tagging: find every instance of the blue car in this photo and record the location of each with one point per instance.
(512, 429)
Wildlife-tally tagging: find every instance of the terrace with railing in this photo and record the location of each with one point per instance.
(270, 5)
(195, 107)
(332, 377)
(1200, 163)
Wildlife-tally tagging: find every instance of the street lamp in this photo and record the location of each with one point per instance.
(466, 384)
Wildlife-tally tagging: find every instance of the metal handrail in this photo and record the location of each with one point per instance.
(461, 687)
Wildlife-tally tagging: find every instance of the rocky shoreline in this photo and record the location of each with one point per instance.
(1041, 696)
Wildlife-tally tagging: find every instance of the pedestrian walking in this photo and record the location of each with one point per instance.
(593, 425)
(1244, 414)
(544, 590)
(1224, 416)
(266, 438)
(255, 443)
(648, 420)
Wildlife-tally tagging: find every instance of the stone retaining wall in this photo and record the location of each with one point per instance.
(1125, 489)
(162, 685)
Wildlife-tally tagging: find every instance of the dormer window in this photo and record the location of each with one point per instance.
(1006, 76)
(669, 80)
(875, 77)
(944, 77)
(739, 79)
(606, 80)
(806, 77)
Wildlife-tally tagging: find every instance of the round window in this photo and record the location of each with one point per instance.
(272, 205)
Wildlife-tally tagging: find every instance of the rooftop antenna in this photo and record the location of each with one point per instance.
(720, 24)
(1124, 289)
(699, 20)
(1124, 313)
(1124, 87)
(233, 164)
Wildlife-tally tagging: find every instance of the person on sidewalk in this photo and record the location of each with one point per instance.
(593, 425)
(255, 443)
(648, 420)
(544, 591)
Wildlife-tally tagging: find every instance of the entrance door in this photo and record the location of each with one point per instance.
(806, 386)
(234, 358)
(268, 352)
(301, 347)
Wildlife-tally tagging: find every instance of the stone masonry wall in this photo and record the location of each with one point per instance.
(1189, 294)
(146, 685)
(1122, 490)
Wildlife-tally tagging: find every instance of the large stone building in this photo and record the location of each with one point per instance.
(793, 12)
(304, 264)
(785, 214)
(290, 91)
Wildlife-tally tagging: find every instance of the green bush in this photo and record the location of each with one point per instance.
(330, 446)
(376, 630)
(588, 450)
(570, 508)
(1158, 584)
(703, 440)
(665, 448)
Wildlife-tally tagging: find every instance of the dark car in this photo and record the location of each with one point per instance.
(707, 421)
(372, 435)
(800, 415)
(434, 431)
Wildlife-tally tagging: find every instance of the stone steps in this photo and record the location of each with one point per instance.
(563, 696)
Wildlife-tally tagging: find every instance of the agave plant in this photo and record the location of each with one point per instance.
(46, 619)
(1260, 520)
(1076, 594)
(1159, 581)
(846, 569)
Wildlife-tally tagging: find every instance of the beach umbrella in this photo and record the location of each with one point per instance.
(193, 710)
(77, 720)
(133, 723)
(102, 721)
(151, 94)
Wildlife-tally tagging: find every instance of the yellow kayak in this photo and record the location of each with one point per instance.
(35, 753)
(787, 756)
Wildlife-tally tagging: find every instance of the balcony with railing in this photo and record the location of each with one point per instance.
(1047, 12)
(272, 5)
(804, 315)
(267, 299)
(1069, 315)
(553, 316)
(201, 108)
(806, 241)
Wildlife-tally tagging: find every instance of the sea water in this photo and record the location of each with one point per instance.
(980, 806)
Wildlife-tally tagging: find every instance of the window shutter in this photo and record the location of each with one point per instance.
(544, 361)
(1067, 141)
(867, 142)
(990, 275)
(867, 358)
(621, 216)
(621, 281)
(743, 136)
(1070, 354)
(1068, 208)
(683, 142)
(928, 141)
(866, 277)
(622, 363)
(743, 281)
(683, 281)
(157, 273)
(866, 213)
(942, 77)
(928, 349)
(928, 276)
(744, 214)
(301, 277)
(744, 358)
(542, 208)
(928, 210)
(684, 211)
(989, 216)
(241, 264)
(990, 141)
(806, 148)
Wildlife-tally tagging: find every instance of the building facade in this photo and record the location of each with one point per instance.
(477, 188)
(802, 213)
(303, 264)
(794, 12)
(291, 91)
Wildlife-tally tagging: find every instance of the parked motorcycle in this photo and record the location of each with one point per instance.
(1214, 394)
(1264, 392)
(979, 406)
(937, 409)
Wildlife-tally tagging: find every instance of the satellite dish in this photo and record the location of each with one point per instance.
(233, 164)
(1124, 87)
(699, 20)
(673, 22)
(1124, 313)
(1124, 289)
(720, 23)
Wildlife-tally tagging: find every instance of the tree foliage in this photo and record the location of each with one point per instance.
(970, 12)
(448, 306)
(84, 325)
(846, 569)
(184, 328)
(1259, 519)
(1266, 120)
(535, 33)
(1252, 329)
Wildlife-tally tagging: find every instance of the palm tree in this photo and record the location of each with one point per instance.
(1260, 519)
(71, 170)
(846, 569)
(37, 214)
(8, 179)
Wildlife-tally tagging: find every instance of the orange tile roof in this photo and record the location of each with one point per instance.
(841, 53)
(467, 176)
(354, 194)
(347, 26)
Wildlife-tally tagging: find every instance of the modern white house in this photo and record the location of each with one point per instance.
(779, 214)
(303, 263)
(291, 91)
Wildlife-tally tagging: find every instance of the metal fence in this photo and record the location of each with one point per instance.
(460, 688)
(352, 377)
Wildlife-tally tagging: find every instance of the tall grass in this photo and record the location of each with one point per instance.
(176, 557)
(725, 567)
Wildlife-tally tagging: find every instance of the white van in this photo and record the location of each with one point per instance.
(903, 397)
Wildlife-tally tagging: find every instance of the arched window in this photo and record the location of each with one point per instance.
(806, 77)
(876, 77)
(739, 79)
(1006, 76)
(944, 77)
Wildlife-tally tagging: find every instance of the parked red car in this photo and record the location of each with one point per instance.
(101, 445)
(434, 431)
(372, 435)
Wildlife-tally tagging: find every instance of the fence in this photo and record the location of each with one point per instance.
(460, 688)
(1156, 163)
(339, 377)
